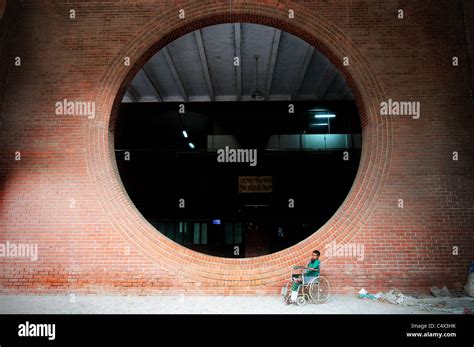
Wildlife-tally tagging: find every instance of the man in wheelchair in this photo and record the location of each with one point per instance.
(311, 271)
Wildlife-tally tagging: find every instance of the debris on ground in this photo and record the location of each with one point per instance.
(439, 292)
(442, 301)
(363, 294)
(397, 298)
(469, 287)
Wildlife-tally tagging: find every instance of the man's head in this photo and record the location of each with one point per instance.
(315, 255)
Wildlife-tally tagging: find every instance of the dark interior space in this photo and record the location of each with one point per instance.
(168, 164)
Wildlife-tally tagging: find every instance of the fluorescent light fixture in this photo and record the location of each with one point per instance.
(329, 115)
(191, 145)
(185, 134)
(322, 113)
(321, 124)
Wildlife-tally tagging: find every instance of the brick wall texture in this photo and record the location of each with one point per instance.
(66, 196)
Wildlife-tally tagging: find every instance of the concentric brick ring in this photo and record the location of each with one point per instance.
(264, 270)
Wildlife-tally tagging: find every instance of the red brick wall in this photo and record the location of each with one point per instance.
(65, 193)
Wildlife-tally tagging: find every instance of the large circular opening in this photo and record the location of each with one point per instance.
(238, 140)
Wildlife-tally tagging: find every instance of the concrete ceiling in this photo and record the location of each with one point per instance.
(200, 67)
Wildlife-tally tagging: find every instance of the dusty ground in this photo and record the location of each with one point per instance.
(338, 304)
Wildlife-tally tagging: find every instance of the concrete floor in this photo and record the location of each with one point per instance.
(338, 304)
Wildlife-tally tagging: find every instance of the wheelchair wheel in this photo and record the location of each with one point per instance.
(301, 300)
(319, 290)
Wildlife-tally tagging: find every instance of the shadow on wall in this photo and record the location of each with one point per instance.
(3, 4)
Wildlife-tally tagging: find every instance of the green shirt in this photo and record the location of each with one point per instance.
(315, 265)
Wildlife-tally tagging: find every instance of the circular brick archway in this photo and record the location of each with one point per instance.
(265, 272)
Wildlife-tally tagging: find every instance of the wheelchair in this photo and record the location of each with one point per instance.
(316, 291)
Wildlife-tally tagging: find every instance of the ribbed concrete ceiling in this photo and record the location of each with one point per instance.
(200, 67)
